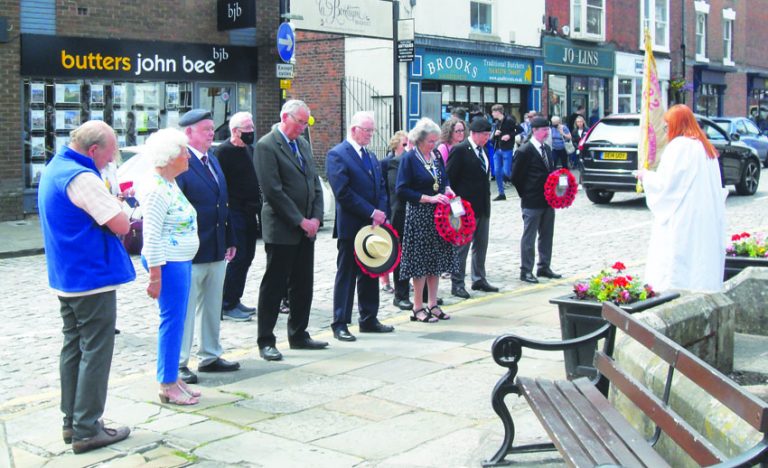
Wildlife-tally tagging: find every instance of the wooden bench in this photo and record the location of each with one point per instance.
(588, 431)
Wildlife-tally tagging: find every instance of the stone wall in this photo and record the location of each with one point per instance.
(750, 290)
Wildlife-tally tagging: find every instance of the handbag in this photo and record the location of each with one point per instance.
(569, 148)
(134, 240)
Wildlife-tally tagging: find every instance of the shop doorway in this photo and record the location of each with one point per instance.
(220, 99)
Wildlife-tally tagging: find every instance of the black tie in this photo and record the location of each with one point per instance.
(295, 149)
(482, 159)
(546, 153)
(204, 160)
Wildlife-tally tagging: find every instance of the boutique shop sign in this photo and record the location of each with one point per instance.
(466, 67)
(77, 57)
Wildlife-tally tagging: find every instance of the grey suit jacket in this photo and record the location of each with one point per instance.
(290, 194)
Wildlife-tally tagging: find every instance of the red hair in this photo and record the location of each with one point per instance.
(681, 122)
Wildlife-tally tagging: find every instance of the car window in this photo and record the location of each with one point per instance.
(713, 133)
(617, 132)
(740, 128)
(751, 128)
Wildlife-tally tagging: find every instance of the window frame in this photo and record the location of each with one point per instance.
(728, 25)
(702, 10)
(478, 3)
(580, 31)
(648, 18)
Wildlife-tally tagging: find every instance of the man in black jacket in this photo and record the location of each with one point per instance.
(533, 165)
(505, 131)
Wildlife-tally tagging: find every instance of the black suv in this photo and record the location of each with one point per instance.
(609, 155)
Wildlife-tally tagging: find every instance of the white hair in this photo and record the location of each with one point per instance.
(555, 120)
(423, 128)
(292, 106)
(164, 146)
(237, 120)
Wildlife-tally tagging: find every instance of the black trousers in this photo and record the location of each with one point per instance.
(293, 265)
(246, 228)
(402, 287)
(349, 277)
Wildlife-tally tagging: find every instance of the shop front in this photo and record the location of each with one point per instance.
(136, 87)
(709, 85)
(757, 98)
(578, 76)
(628, 82)
(442, 80)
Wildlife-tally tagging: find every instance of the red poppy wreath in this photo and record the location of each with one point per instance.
(455, 230)
(557, 196)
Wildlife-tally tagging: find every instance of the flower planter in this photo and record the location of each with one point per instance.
(734, 265)
(579, 317)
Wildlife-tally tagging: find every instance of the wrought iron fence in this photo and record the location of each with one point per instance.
(358, 95)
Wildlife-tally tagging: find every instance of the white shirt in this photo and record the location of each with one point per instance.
(485, 156)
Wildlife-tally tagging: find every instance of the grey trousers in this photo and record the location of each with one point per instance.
(539, 221)
(204, 313)
(479, 249)
(86, 358)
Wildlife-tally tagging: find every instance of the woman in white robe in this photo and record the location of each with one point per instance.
(687, 199)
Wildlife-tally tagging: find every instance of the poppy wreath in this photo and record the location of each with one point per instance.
(560, 199)
(446, 230)
(394, 265)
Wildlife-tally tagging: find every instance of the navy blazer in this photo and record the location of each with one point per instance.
(357, 191)
(211, 203)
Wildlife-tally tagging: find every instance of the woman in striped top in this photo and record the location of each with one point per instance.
(170, 243)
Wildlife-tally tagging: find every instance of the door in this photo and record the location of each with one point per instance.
(220, 99)
(431, 105)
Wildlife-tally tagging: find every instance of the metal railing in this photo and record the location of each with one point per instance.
(358, 95)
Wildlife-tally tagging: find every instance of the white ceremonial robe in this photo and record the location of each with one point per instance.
(686, 197)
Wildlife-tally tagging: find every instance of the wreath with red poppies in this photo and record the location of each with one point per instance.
(455, 230)
(560, 197)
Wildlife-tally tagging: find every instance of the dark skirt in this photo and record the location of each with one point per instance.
(425, 253)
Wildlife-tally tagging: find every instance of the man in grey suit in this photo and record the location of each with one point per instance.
(290, 217)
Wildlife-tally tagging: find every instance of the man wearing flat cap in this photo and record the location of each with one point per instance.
(205, 187)
(469, 172)
(532, 166)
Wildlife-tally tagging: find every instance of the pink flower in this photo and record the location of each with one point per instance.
(625, 295)
(744, 235)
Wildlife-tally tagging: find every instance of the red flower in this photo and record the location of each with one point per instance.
(745, 235)
(629, 277)
(620, 282)
(444, 228)
(735, 237)
(619, 266)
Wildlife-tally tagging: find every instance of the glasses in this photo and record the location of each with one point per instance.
(459, 130)
(302, 123)
(367, 130)
(405, 145)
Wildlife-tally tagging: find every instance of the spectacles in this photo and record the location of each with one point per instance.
(302, 123)
(367, 130)
(459, 130)
(405, 145)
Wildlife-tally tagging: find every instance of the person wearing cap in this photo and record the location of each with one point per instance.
(290, 218)
(469, 172)
(205, 187)
(361, 202)
(533, 164)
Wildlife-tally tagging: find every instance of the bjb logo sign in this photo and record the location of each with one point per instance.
(236, 14)
(234, 11)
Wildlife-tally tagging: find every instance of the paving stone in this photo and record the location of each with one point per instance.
(367, 407)
(140, 440)
(69, 459)
(286, 401)
(397, 370)
(456, 356)
(345, 363)
(168, 461)
(205, 431)
(236, 413)
(167, 423)
(306, 426)
(130, 461)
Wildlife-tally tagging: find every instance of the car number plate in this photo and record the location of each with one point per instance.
(614, 156)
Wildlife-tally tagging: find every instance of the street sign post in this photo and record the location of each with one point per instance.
(286, 42)
(284, 70)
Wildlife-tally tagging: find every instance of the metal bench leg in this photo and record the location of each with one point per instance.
(503, 387)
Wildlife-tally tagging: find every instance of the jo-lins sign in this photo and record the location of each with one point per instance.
(56, 56)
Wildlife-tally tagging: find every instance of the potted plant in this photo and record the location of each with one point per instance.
(745, 250)
(580, 310)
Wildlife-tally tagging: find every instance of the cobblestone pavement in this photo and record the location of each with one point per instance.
(587, 237)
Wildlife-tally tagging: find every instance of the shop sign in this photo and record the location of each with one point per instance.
(570, 58)
(479, 68)
(79, 57)
(370, 18)
(237, 14)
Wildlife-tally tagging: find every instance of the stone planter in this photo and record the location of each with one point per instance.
(734, 265)
(579, 317)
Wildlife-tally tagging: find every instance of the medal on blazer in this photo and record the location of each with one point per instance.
(430, 167)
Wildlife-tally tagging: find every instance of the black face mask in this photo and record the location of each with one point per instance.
(247, 137)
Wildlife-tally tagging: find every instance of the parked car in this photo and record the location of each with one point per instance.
(609, 156)
(748, 133)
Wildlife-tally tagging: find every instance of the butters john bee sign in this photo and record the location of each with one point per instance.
(76, 57)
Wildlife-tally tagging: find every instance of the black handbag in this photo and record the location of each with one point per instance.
(134, 240)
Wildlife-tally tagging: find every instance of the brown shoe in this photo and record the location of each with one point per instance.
(104, 437)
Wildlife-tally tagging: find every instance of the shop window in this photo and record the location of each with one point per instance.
(558, 95)
(244, 97)
(655, 18)
(708, 100)
(461, 93)
(447, 91)
(588, 19)
(514, 96)
(702, 14)
(502, 95)
(480, 17)
(474, 94)
(489, 95)
(727, 42)
(625, 96)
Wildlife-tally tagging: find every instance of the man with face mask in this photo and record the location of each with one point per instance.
(236, 160)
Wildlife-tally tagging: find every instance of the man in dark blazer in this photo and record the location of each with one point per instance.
(290, 218)
(397, 208)
(205, 187)
(533, 164)
(361, 200)
(469, 173)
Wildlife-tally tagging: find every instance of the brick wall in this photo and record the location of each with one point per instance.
(11, 161)
(622, 27)
(319, 71)
(735, 98)
(267, 89)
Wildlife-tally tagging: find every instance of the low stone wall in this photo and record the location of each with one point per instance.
(704, 324)
(749, 289)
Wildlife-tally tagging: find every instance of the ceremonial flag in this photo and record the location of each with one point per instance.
(653, 135)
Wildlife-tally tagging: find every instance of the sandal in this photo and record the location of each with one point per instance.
(426, 316)
(174, 395)
(439, 314)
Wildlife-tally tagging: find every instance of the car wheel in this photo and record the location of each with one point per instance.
(750, 178)
(599, 197)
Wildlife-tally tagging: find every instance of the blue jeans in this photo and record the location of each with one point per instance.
(502, 163)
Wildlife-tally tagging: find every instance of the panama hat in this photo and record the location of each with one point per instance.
(377, 249)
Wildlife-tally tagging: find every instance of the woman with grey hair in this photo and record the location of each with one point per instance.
(170, 243)
(422, 182)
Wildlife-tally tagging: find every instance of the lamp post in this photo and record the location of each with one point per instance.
(682, 45)
(395, 68)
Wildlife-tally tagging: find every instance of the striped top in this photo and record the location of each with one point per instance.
(170, 223)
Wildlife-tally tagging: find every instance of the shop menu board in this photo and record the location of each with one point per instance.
(53, 108)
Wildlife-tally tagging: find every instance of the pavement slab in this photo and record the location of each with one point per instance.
(368, 407)
(309, 425)
(397, 370)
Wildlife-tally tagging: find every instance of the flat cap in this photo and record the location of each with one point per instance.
(479, 125)
(194, 116)
(539, 122)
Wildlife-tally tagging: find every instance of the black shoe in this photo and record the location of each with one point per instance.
(482, 285)
(528, 278)
(459, 291)
(244, 308)
(187, 375)
(547, 273)
(377, 327)
(309, 343)
(500, 197)
(403, 304)
(343, 335)
(67, 433)
(104, 437)
(439, 301)
(270, 353)
(219, 365)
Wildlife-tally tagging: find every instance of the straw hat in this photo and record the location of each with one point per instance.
(377, 249)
